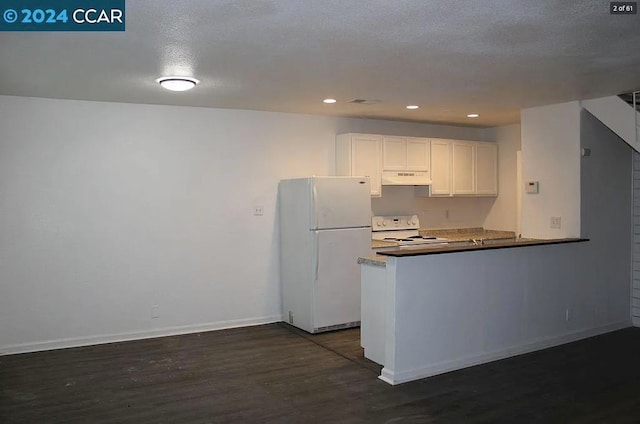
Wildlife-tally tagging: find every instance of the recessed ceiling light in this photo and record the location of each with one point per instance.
(329, 101)
(472, 115)
(413, 107)
(177, 83)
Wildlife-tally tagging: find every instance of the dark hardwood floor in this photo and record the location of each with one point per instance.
(277, 374)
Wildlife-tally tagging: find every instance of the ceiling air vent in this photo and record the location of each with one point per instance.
(364, 101)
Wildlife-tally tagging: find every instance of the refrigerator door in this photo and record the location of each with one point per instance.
(340, 202)
(336, 285)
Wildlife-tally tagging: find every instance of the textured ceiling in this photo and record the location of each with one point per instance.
(493, 57)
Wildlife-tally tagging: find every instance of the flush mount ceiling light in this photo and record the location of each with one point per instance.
(177, 83)
(413, 107)
(472, 115)
(329, 101)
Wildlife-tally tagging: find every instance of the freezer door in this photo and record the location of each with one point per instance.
(336, 286)
(340, 202)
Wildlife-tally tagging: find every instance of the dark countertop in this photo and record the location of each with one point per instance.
(383, 244)
(465, 234)
(377, 260)
(465, 247)
(453, 235)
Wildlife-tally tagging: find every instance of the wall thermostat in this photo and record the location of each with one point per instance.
(531, 187)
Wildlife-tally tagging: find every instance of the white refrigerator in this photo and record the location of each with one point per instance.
(325, 225)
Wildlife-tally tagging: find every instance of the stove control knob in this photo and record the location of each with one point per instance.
(408, 222)
(379, 224)
(384, 223)
(414, 222)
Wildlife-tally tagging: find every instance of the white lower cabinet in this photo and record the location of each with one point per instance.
(372, 331)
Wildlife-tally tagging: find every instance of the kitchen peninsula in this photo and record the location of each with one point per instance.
(432, 310)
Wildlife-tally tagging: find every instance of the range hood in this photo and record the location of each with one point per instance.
(406, 178)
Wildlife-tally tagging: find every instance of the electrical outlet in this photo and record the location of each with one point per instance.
(258, 210)
(556, 222)
(155, 311)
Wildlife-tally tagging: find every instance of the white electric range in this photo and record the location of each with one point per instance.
(402, 229)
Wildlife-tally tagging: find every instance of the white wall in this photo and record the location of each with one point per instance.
(617, 115)
(606, 220)
(433, 212)
(107, 209)
(551, 155)
(503, 212)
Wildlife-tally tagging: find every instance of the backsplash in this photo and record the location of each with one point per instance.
(433, 212)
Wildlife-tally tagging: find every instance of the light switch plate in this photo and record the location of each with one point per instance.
(531, 187)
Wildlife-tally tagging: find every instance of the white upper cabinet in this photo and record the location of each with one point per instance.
(463, 167)
(486, 169)
(418, 154)
(405, 154)
(440, 167)
(394, 153)
(360, 155)
(455, 167)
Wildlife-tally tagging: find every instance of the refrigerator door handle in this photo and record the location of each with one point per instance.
(317, 260)
(314, 217)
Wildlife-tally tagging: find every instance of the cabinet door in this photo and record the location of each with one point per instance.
(418, 154)
(463, 167)
(440, 167)
(365, 160)
(487, 169)
(394, 153)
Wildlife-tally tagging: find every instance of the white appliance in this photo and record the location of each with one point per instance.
(325, 225)
(406, 178)
(402, 229)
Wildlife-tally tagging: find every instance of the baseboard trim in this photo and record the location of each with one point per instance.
(390, 376)
(134, 335)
